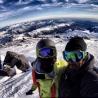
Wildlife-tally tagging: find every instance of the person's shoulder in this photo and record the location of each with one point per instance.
(60, 64)
(91, 75)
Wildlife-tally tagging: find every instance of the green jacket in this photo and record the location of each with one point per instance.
(46, 84)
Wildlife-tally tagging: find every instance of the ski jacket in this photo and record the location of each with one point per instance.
(83, 84)
(48, 83)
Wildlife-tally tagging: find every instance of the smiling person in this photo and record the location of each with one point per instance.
(79, 80)
(46, 69)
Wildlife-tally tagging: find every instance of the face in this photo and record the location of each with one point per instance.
(75, 58)
(47, 65)
(76, 65)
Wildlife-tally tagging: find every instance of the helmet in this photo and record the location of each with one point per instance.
(76, 43)
(46, 43)
(46, 54)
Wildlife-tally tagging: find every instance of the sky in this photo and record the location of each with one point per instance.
(15, 12)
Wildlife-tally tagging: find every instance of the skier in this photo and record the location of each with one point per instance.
(46, 69)
(79, 79)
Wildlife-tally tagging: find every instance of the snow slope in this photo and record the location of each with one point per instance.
(20, 38)
(16, 86)
(13, 87)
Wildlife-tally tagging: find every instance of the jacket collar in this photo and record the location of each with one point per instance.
(38, 70)
(89, 63)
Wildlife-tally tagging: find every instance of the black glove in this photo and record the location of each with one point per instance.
(30, 92)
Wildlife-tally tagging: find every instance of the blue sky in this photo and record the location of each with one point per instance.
(13, 14)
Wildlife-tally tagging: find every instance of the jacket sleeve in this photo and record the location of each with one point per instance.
(89, 85)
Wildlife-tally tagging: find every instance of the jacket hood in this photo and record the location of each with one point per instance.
(89, 63)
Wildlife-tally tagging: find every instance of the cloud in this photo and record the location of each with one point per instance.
(49, 11)
(1, 1)
(5, 15)
(29, 8)
(82, 1)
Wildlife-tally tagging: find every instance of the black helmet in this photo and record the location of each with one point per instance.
(43, 43)
(76, 43)
(47, 63)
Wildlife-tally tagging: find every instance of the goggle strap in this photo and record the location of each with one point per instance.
(85, 55)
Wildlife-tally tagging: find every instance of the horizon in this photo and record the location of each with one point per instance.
(21, 12)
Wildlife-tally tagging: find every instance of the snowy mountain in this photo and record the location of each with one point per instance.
(59, 28)
(23, 37)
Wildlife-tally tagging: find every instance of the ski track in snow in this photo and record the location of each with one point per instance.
(16, 86)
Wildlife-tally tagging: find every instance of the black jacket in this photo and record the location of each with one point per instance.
(82, 84)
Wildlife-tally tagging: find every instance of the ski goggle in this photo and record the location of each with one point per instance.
(74, 56)
(46, 52)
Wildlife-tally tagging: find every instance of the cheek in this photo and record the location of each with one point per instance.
(74, 65)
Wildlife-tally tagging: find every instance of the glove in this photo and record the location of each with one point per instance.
(30, 92)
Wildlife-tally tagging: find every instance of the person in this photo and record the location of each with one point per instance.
(46, 69)
(79, 79)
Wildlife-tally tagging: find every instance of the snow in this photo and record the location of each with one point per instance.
(18, 85)
(15, 87)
